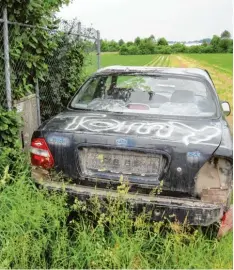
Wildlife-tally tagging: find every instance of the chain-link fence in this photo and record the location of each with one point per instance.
(2, 71)
(51, 70)
(76, 44)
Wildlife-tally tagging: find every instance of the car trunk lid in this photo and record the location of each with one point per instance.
(144, 149)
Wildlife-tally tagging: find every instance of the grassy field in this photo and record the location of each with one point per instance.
(47, 230)
(222, 62)
(108, 59)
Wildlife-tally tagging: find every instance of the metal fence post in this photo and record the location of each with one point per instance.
(79, 30)
(7, 60)
(98, 50)
(38, 103)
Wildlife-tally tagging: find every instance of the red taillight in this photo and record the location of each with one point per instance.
(40, 154)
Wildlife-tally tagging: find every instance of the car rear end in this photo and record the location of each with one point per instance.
(95, 170)
(191, 157)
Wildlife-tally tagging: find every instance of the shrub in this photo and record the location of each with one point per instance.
(133, 50)
(206, 49)
(194, 49)
(10, 146)
(225, 44)
(123, 50)
(163, 50)
(178, 48)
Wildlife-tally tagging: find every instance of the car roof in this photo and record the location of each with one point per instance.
(154, 70)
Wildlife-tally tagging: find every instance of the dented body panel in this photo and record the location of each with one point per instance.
(192, 210)
(191, 155)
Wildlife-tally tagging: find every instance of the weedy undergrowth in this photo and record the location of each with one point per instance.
(41, 229)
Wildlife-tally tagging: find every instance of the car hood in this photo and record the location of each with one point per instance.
(205, 132)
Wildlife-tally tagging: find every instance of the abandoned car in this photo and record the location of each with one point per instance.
(152, 126)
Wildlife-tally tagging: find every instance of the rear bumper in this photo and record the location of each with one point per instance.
(193, 211)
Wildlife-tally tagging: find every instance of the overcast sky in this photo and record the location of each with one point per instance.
(179, 20)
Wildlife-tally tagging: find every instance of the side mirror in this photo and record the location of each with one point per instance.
(226, 108)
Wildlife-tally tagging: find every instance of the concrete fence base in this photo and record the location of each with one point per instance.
(27, 108)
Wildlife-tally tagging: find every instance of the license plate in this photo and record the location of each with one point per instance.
(119, 161)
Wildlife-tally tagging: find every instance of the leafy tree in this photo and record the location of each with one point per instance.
(225, 44)
(152, 38)
(129, 43)
(113, 46)
(162, 49)
(146, 46)
(133, 50)
(104, 46)
(226, 34)
(137, 41)
(162, 42)
(121, 42)
(215, 42)
(178, 48)
(194, 49)
(206, 49)
(109, 46)
(124, 50)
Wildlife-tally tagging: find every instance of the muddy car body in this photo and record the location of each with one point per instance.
(151, 126)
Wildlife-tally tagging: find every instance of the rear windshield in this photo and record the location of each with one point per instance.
(137, 94)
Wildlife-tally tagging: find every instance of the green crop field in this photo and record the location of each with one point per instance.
(134, 60)
(222, 62)
(109, 59)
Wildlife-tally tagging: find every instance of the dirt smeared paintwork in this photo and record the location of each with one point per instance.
(183, 146)
(172, 208)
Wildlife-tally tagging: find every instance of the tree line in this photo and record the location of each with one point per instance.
(218, 44)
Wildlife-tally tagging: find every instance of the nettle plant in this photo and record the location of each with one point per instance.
(10, 123)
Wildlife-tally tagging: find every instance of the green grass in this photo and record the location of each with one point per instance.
(39, 231)
(222, 62)
(110, 59)
(125, 60)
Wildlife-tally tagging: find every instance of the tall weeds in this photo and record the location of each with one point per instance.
(41, 229)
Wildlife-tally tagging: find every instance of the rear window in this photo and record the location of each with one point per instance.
(137, 94)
